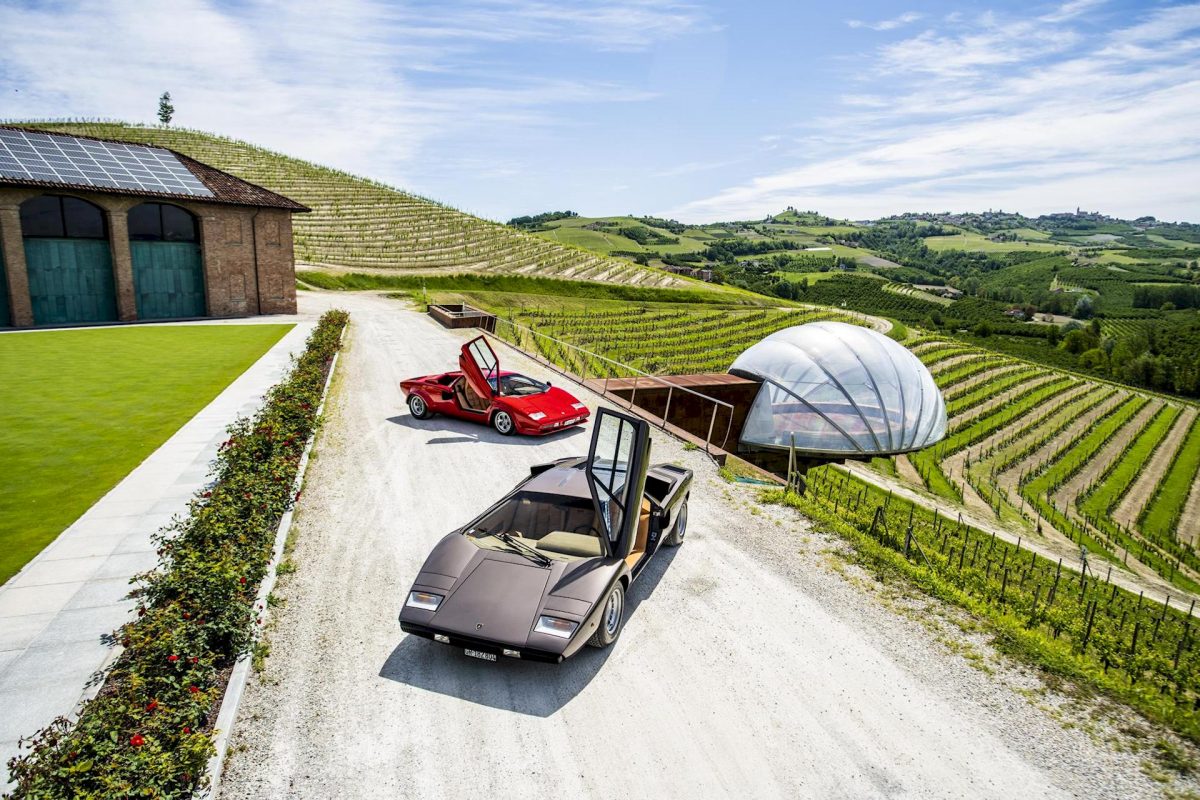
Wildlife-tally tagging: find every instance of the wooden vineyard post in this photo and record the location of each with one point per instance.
(1161, 617)
(1132, 650)
(1087, 633)
(1183, 640)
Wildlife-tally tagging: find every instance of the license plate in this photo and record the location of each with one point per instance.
(477, 654)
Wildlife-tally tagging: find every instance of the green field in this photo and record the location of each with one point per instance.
(813, 277)
(575, 232)
(979, 243)
(79, 409)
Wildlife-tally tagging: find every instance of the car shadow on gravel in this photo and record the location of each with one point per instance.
(465, 431)
(524, 687)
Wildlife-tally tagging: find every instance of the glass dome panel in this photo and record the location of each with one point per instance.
(840, 388)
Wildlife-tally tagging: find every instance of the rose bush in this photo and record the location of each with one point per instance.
(147, 732)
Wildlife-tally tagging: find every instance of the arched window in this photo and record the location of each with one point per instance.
(53, 216)
(160, 222)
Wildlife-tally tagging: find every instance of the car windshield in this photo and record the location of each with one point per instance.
(520, 385)
(558, 526)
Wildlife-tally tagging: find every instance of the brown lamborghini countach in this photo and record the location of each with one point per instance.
(546, 569)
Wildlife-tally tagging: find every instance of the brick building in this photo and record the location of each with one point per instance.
(99, 231)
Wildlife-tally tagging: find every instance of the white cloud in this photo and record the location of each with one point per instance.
(964, 54)
(1070, 10)
(993, 117)
(907, 18)
(340, 83)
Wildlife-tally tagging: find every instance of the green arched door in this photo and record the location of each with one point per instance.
(168, 268)
(68, 261)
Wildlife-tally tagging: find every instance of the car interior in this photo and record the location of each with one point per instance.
(521, 386)
(467, 398)
(558, 526)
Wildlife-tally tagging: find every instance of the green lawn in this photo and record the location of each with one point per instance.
(79, 409)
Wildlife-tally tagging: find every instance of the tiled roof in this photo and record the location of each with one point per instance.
(225, 188)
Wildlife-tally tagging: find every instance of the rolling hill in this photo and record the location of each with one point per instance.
(361, 224)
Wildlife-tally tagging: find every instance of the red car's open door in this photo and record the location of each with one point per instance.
(480, 366)
(616, 474)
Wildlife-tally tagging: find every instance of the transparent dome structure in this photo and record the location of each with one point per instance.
(841, 390)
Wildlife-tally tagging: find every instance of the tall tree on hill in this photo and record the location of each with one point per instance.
(165, 109)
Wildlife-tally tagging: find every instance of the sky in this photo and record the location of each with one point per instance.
(700, 111)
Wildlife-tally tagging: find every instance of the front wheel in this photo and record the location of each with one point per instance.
(680, 530)
(418, 407)
(503, 423)
(611, 620)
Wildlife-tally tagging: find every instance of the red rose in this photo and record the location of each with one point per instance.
(194, 659)
(137, 740)
(242, 580)
(187, 615)
(172, 658)
(297, 497)
(153, 704)
(193, 689)
(187, 729)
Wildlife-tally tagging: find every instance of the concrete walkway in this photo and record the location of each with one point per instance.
(55, 613)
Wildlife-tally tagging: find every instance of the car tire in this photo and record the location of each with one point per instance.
(612, 618)
(503, 423)
(675, 537)
(418, 407)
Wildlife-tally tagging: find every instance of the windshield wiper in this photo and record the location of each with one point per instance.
(531, 553)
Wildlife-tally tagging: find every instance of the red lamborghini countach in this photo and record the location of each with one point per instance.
(480, 391)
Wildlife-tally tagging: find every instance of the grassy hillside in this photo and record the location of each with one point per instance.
(360, 223)
(1061, 456)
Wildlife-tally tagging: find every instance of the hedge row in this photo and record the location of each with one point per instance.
(148, 732)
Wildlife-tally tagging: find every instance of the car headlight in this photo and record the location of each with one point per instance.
(425, 600)
(535, 416)
(578, 406)
(562, 628)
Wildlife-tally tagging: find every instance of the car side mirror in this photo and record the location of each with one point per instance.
(548, 383)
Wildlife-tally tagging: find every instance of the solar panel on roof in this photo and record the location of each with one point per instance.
(25, 155)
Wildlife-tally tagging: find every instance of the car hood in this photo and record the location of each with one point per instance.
(498, 595)
(555, 403)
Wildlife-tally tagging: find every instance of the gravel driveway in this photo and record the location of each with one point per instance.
(749, 667)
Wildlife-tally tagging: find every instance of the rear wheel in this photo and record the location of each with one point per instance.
(418, 407)
(503, 423)
(612, 618)
(675, 538)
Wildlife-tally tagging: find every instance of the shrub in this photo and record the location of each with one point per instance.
(149, 730)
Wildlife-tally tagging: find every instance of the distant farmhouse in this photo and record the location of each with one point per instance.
(102, 231)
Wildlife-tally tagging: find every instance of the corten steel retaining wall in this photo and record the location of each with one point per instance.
(229, 236)
(689, 412)
(458, 315)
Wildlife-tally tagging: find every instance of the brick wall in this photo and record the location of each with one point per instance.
(230, 236)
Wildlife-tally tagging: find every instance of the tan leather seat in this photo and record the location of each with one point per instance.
(570, 544)
(467, 398)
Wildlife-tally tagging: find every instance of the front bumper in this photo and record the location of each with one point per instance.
(531, 428)
(482, 645)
